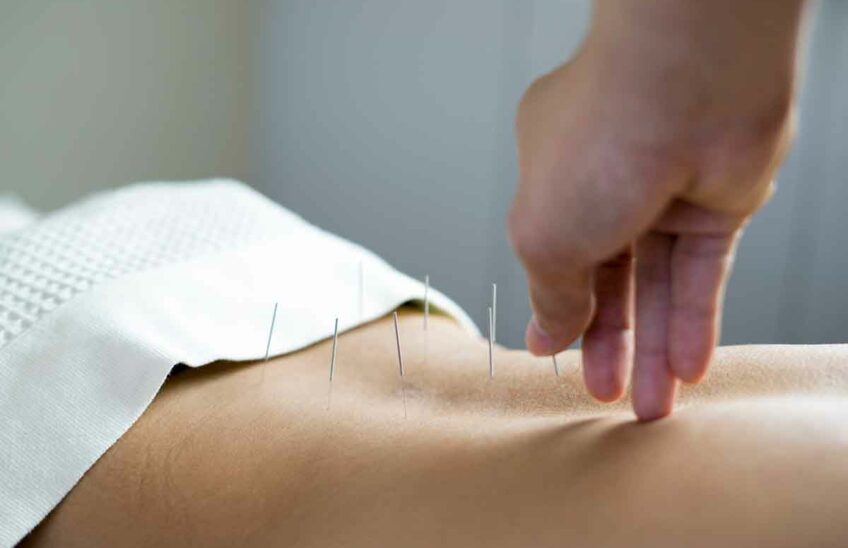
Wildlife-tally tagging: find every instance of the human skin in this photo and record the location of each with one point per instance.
(656, 142)
(249, 454)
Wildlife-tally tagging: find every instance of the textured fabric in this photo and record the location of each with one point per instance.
(98, 301)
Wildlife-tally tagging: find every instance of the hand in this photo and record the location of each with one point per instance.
(639, 163)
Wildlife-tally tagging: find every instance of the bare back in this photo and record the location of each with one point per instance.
(249, 454)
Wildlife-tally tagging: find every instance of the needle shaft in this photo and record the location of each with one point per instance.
(491, 345)
(332, 364)
(426, 300)
(271, 332)
(494, 312)
(400, 363)
(361, 302)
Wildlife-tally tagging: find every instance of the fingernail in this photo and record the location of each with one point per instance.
(538, 342)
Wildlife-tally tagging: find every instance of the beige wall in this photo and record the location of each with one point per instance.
(98, 93)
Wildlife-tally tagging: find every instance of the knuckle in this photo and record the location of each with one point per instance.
(545, 248)
(696, 313)
(533, 243)
(528, 98)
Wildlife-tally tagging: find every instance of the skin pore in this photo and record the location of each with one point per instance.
(249, 454)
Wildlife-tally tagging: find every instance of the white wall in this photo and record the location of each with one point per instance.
(389, 121)
(97, 93)
(813, 296)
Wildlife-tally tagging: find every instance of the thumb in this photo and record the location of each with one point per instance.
(562, 309)
(562, 232)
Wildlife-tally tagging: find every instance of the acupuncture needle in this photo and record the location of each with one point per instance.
(271, 332)
(361, 289)
(491, 344)
(426, 352)
(332, 363)
(494, 312)
(556, 367)
(400, 364)
(426, 300)
(270, 335)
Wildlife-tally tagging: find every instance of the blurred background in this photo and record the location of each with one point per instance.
(388, 122)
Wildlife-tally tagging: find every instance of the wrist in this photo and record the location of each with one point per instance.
(693, 58)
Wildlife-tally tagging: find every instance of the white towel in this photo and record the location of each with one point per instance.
(99, 300)
(14, 213)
